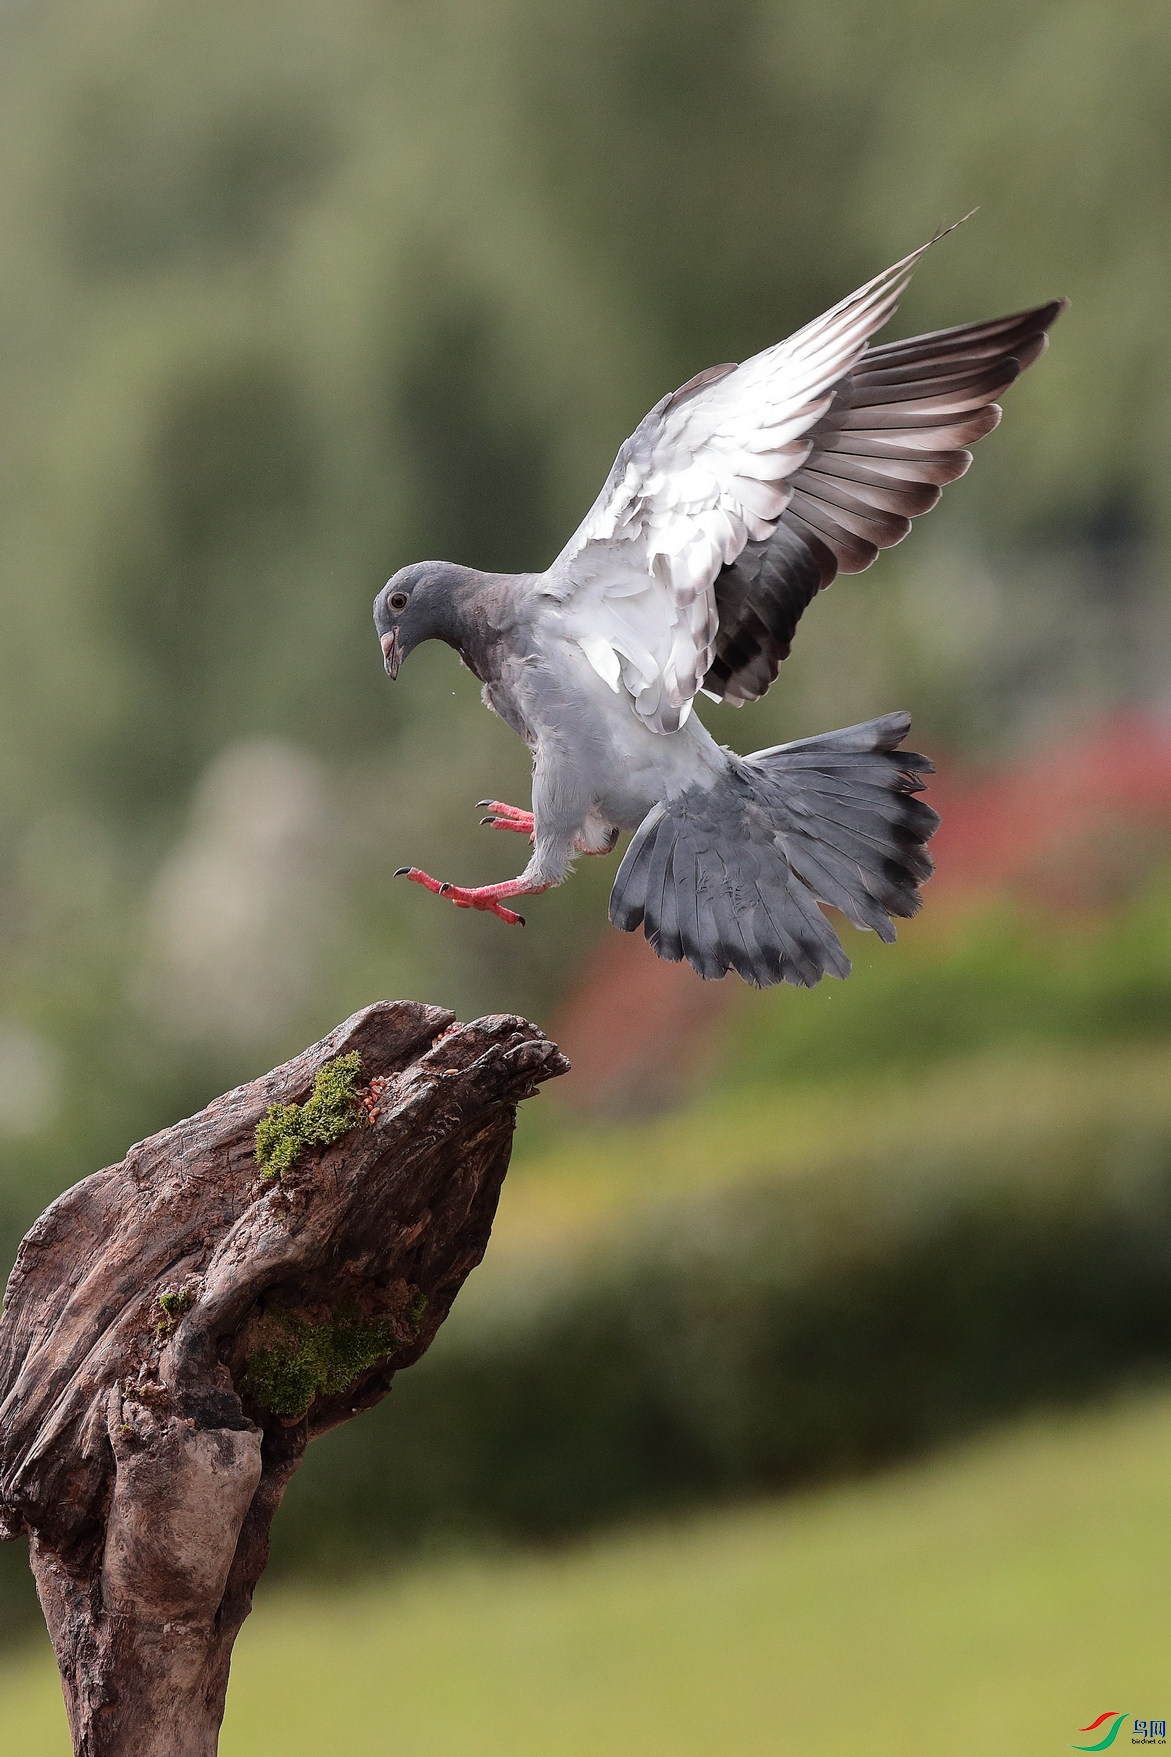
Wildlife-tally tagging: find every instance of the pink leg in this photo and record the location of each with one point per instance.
(486, 897)
(506, 817)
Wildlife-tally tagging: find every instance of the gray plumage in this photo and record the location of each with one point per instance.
(734, 502)
(730, 877)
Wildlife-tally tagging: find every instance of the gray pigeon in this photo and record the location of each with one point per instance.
(731, 505)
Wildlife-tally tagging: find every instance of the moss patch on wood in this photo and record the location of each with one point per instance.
(313, 1360)
(173, 1302)
(285, 1130)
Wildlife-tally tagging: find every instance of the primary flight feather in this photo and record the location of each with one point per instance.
(731, 505)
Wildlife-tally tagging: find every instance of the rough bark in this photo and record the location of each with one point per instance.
(168, 1317)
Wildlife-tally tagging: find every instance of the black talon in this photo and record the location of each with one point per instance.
(481, 803)
(487, 820)
(520, 920)
(401, 871)
(443, 889)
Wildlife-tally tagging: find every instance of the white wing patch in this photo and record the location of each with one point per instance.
(709, 468)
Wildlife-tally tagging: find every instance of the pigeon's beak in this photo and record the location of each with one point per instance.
(391, 656)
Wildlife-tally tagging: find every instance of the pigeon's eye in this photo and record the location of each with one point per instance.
(398, 601)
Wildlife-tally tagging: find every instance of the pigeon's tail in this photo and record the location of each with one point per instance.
(730, 877)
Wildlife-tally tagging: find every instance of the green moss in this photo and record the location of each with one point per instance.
(313, 1360)
(173, 1301)
(287, 1129)
(416, 1309)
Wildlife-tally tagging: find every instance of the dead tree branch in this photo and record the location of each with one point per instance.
(178, 1327)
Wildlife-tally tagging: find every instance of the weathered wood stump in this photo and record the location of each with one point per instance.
(178, 1327)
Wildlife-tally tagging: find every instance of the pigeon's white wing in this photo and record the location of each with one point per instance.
(709, 469)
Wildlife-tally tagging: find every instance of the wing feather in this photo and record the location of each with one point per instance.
(895, 433)
(710, 471)
(746, 490)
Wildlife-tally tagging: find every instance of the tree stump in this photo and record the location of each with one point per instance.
(178, 1327)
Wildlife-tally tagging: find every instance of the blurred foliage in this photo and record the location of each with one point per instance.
(997, 977)
(986, 1024)
(293, 294)
(760, 1336)
(296, 293)
(935, 1198)
(748, 1300)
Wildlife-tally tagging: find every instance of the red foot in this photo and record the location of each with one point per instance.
(486, 897)
(506, 817)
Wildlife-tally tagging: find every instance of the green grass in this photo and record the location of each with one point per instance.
(994, 1599)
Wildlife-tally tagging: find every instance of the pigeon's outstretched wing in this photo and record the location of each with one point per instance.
(748, 489)
(893, 435)
(711, 469)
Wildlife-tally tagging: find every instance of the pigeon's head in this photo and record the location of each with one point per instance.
(418, 604)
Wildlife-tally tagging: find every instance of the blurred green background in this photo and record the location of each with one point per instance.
(294, 294)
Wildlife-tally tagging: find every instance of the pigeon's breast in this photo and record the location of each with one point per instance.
(589, 737)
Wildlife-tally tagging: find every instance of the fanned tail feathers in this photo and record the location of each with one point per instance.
(730, 877)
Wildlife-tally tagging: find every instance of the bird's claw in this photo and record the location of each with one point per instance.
(469, 898)
(485, 898)
(506, 817)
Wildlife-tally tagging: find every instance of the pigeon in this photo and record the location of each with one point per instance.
(735, 501)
